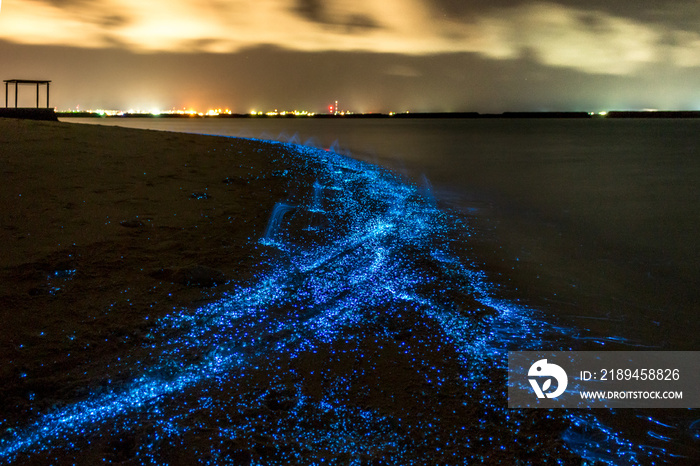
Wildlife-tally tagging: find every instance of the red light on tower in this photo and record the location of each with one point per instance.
(333, 109)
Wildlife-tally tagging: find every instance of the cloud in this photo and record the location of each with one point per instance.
(686, 49)
(328, 13)
(173, 25)
(592, 41)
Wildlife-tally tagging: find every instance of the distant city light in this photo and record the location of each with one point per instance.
(276, 112)
(333, 110)
(212, 112)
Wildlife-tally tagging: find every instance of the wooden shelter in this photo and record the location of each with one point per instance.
(17, 82)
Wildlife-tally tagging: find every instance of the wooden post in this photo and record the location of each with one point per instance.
(16, 86)
(47, 95)
(37, 95)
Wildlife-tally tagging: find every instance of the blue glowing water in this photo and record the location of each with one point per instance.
(367, 238)
(317, 203)
(593, 221)
(318, 293)
(276, 219)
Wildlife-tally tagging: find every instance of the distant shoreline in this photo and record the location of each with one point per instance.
(430, 115)
(51, 115)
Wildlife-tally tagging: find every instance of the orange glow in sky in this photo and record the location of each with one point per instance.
(372, 55)
(555, 34)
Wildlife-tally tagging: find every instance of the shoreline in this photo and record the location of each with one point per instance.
(352, 310)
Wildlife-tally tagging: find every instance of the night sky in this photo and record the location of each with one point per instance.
(370, 55)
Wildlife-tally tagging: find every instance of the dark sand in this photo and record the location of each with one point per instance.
(125, 210)
(104, 231)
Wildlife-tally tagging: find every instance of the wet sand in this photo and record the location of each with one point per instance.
(105, 232)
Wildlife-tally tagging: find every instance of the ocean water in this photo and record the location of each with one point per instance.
(593, 223)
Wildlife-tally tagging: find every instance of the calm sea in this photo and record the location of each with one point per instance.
(592, 223)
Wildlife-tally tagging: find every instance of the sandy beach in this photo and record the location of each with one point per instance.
(97, 219)
(131, 263)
